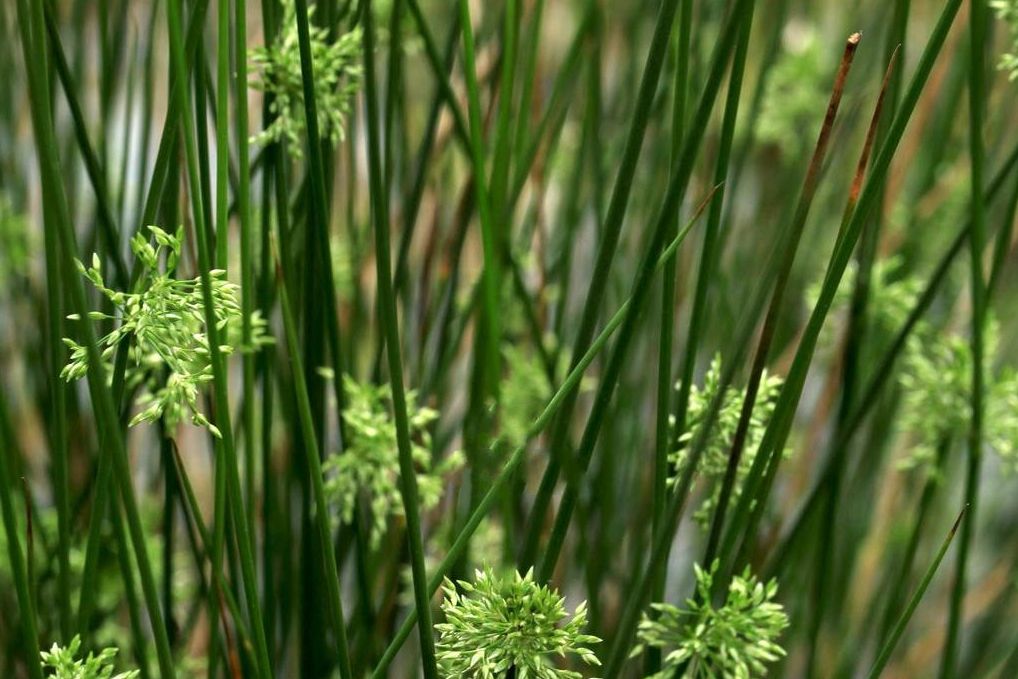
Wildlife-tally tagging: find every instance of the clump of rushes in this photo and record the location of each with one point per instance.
(62, 663)
(165, 324)
(369, 464)
(337, 79)
(1007, 12)
(733, 641)
(714, 460)
(936, 410)
(508, 627)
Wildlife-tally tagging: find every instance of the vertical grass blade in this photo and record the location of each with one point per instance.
(389, 322)
(977, 291)
(888, 647)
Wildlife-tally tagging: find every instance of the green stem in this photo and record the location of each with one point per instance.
(977, 290)
(57, 217)
(26, 606)
(390, 327)
(226, 453)
(322, 515)
(899, 628)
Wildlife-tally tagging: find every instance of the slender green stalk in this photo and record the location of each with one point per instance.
(226, 453)
(894, 599)
(490, 241)
(58, 436)
(503, 128)
(528, 74)
(412, 203)
(317, 241)
(899, 628)
(26, 605)
(664, 384)
(389, 322)
(322, 515)
(977, 291)
(193, 512)
(107, 223)
(131, 595)
(248, 289)
(217, 546)
(461, 127)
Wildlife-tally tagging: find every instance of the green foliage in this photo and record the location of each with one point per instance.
(14, 242)
(165, 324)
(278, 74)
(1007, 12)
(1002, 419)
(524, 393)
(370, 462)
(796, 93)
(890, 298)
(936, 409)
(502, 623)
(937, 380)
(714, 460)
(64, 664)
(735, 640)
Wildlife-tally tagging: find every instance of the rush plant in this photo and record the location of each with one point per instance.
(702, 313)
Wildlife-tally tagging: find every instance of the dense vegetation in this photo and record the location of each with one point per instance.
(510, 339)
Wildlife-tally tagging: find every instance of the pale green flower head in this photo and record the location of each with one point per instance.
(497, 624)
(524, 393)
(937, 406)
(936, 380)
(714, 460)
(1002, 419)
(369, 463)
(61, 663)
(337, 72)
(164, 322)
(733, 641)
(890, 297)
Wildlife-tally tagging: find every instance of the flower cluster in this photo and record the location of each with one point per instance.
(63, 663)
(733, 641)
(795, 97)
(502, 625)
(890, 298)
(714, 460)
(337, 79)
(165, 324)
(525, 391)
(1007, 12)
(937, 406)
(369, 463)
